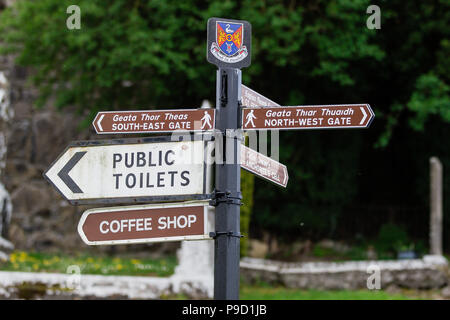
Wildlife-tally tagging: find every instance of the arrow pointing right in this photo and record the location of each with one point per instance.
(364, 115)
(64, 172)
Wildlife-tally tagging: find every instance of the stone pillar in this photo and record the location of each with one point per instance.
(435, 206)
(194, 274)
(6, 115)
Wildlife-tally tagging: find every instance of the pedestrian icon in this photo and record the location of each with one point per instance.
(250, 117)
(206, 120)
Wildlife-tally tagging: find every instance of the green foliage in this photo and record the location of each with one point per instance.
(126, 54)
(247, 187)
(138, 54)
(391, 238)
(420, 61)
(143, 54)
(88, 264)
(433, 93)
(354, 253)
(265, 292)
(318, 186)
(322, 252)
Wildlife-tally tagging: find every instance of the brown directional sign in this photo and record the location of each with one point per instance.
(146, 223)
(154, 121)
(251, 98)
(308, 117)
(263, 166)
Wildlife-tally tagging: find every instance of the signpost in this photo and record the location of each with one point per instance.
(131, 170)
(154, 121)
(308, 117)
(263, 166)
(145, 223)
(167, 169)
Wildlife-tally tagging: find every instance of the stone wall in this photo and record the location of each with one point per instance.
(41, 219)
(431, 272)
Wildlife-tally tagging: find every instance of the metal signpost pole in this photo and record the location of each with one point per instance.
(228, 186)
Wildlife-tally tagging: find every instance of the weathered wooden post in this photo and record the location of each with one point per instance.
(436, 173)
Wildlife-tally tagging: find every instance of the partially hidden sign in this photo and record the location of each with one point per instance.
(131, 170)
(251, 98)
(308, 117)
(263, 166)
(154, 121)
(146, 223)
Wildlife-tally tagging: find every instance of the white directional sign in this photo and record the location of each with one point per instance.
(130, 170)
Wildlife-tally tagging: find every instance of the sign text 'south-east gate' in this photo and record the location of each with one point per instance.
(109, 122)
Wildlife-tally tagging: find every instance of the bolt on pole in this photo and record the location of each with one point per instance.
(228, 185)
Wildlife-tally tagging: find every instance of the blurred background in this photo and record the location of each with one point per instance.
(352, 194)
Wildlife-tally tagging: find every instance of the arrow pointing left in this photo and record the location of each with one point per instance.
(64, 173)
(99, 122)
(131, 171)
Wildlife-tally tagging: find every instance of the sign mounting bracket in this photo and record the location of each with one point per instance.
(224, 90)
(216, 234)
(225, 197)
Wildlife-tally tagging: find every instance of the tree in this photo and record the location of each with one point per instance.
(142, 54)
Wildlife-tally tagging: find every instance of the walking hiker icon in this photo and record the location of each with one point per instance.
(206, 120)
(250, 117)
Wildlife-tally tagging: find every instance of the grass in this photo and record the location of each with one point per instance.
(267, 292)
(256, 292)
(60, 263)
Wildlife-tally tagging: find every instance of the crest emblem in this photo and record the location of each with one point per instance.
(228, 46)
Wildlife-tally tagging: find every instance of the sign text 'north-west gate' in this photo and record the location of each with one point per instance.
(308, 117)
